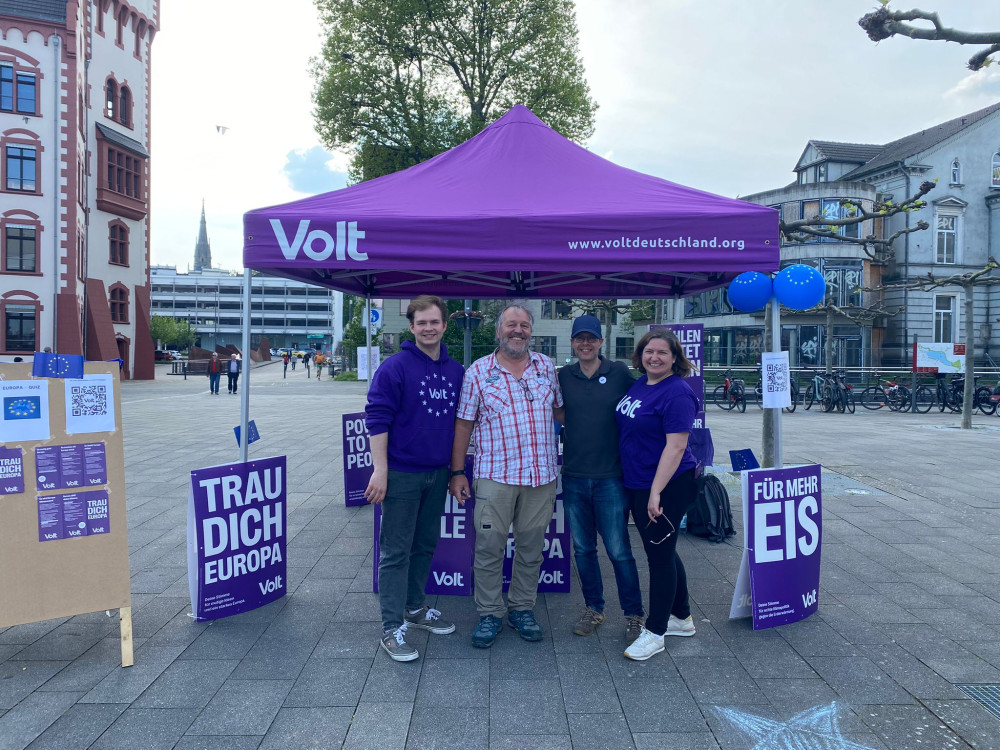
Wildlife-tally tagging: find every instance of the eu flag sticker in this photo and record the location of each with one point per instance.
(22, 407)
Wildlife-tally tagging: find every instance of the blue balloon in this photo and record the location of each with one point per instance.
(799, 287)
(750, 291)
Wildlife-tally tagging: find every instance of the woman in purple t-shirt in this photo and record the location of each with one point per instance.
(654, 421)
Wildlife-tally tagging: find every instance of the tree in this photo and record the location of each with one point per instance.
(884, 23)
(968, 282)
(170, 331)
(400, 82)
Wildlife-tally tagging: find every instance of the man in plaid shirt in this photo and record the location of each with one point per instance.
(508, 401)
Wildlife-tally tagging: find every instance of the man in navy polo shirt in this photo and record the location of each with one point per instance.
(593, 495)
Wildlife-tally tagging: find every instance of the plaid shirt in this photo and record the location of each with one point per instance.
(514, 434)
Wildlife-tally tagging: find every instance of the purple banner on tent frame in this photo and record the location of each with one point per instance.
(357, 458)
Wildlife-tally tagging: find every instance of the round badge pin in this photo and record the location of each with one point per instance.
(602, 380)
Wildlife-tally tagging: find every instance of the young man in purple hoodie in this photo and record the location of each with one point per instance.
(411, 422)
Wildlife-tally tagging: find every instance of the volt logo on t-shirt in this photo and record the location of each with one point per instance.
(627, 406)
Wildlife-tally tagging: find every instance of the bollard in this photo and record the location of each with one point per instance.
(184, 369)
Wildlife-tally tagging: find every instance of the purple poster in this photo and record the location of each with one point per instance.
(11, 471)
(783, 535)
(236, 537)
(60, 467)
(75, 514)
(554, 576)
(691, 336)
(357, 458)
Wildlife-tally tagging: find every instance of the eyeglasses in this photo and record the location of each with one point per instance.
(660, 532)
(527, 391)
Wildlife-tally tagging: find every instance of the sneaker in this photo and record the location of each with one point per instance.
(588, 622)
(486, 631)
(428, 618)
(676, 626)
(646, 645)
(523, 621)
(394, 643)
(633, 627)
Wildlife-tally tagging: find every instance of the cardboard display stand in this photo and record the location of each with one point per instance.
(63, 532)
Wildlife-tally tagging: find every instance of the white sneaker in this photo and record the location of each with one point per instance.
(646, 645)
(683, 628)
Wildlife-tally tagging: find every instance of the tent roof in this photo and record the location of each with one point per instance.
(516, 211)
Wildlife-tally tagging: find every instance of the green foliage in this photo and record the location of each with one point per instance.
(350, 375)
(171, 332)
(400, 82)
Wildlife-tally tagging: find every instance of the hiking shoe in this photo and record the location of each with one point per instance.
(394, 643)
(430, 619)
(486, 631)
(676, 626)
(633, 627)
(588, 622)
(523, 621)
(646, 645)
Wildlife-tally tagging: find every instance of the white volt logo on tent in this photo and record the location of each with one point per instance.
(346, 244)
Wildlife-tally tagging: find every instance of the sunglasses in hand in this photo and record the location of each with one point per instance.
(659, 530)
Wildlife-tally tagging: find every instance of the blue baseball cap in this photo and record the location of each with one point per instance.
(587, 324)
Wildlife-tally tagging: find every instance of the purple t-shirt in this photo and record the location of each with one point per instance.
(645, 416)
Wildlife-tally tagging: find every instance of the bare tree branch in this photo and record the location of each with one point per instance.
(877, 249)
(929, 282)
(884, 23)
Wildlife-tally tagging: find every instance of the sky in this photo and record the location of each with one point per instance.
(721, 96)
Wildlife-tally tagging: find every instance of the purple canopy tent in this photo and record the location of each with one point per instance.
(516, 211)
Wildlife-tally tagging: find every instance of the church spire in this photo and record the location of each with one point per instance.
(202, 251)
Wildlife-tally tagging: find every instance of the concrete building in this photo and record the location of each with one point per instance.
(74, 137)
(962, 156)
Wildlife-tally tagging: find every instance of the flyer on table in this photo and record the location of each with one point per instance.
(236, 537)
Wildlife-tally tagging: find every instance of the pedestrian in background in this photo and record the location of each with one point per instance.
(319, 360)
(233, 372)
(305, 361)
(593, 495)
(284, 359)
(214, 373)
(655, 419)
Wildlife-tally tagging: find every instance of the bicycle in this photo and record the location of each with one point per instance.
(793, 387)
(731, 394)
(843, 393)
(889, 393)
(820, 391)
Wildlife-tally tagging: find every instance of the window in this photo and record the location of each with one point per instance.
(20, 246)
(110, 97)
(118, 243)
(22, 167)
(125, 108)
(556, 309)
(19, 328)
(944, 318)
(995, 182)
(118, 300)
(624, 346)
(956, 172)
(544, 345)
(18, 90)
(124, 172)
(835, 209)
(947, 236)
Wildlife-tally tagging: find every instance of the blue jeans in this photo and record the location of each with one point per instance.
(411, 527)
(213, 381)
(600, 505)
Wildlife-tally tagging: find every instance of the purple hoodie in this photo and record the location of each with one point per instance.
(413, 398)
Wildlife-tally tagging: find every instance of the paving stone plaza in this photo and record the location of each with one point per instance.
(909, 611)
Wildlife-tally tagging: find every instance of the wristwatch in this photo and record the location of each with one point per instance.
(458, 472)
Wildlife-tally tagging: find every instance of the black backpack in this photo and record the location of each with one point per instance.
(710, 516)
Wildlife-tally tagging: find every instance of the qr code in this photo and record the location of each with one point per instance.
(777, 378)
(89, 400)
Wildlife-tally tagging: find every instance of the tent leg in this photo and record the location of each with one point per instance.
(368, 337)
(776, 347)
(245, 367)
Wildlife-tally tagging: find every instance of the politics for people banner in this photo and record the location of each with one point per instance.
(779, 575)
(236, 537)
(357, 458)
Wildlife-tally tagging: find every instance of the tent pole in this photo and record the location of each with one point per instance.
(368, 337)
(776, 347)
(245, 367)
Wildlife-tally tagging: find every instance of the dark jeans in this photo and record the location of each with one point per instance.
(233, 378)
(668, 591)
(600, 506)
(411, 527)
(213, 381)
